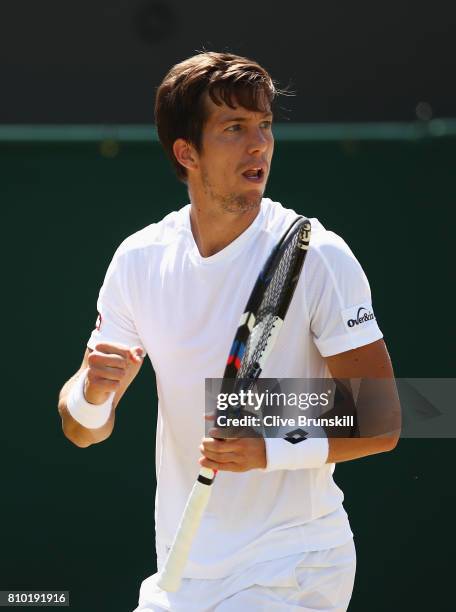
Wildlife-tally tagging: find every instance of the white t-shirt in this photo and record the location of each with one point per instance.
(159, 292)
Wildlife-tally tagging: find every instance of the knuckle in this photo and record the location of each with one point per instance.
(96, 358)
(94, 374)
(96, 380)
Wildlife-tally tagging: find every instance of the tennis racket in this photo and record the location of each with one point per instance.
(255, 337)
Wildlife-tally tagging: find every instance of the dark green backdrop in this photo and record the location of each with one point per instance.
(82, 519)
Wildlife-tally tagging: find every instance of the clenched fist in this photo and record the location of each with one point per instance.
(110, 366)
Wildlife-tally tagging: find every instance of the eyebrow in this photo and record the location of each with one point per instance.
(267, 115)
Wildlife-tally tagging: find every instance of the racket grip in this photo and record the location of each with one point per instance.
(170, 576)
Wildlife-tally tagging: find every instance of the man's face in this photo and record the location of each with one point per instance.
(235, 158)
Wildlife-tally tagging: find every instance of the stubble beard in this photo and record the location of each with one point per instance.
(232, 202)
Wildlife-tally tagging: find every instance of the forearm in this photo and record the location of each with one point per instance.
(78, 434)
(109, 370)
(346, 449)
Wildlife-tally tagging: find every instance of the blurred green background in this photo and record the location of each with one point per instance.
(82, 519)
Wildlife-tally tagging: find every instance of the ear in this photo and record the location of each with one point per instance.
(185, 154)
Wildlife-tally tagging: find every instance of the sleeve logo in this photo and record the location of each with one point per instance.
(358, 315)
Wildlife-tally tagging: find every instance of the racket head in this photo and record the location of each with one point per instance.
(267, 307)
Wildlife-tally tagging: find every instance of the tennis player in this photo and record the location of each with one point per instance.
(275, 535)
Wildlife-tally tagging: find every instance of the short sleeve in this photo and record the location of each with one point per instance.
(338, 297)
(115, 322)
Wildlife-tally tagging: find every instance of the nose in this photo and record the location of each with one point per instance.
(259, 141)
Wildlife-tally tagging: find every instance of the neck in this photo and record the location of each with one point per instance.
(214, 228)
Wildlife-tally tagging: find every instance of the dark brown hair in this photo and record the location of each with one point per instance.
(180, 111)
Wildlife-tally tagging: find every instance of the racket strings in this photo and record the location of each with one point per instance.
(267, 310)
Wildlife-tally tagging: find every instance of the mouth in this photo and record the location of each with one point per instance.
(254, 174)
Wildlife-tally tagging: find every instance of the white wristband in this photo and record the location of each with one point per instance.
(283, 455)
(89, 415)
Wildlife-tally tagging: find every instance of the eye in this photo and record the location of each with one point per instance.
(233, 128)
(267, 125)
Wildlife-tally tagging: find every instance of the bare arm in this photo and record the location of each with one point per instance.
(369, 361)
(111, 367)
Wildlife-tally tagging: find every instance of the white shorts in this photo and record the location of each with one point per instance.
(318, 580)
